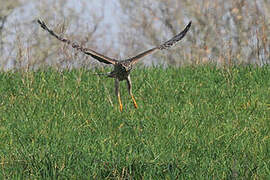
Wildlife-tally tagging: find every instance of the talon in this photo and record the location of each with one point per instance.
(134, 102)
(120, 103)
(135, 105)
(121, 107)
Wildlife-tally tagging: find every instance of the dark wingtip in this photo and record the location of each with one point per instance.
(187, 28)
(39, 21)
(189, 24)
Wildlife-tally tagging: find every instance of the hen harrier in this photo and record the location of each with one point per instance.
(122, 68)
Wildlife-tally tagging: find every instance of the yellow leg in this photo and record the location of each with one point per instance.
(130, 91)
(134, 102)
(120, 103)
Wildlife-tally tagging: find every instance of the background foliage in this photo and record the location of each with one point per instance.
(223, 32)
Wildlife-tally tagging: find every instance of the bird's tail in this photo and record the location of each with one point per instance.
(102, 74)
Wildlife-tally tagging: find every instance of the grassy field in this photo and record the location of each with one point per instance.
(192, 123)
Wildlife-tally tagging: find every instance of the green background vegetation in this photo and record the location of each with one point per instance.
(192, 122)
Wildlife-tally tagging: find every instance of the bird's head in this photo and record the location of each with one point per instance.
(126, 66)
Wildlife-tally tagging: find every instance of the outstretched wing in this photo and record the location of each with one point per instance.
(94, 54)
(165, 45)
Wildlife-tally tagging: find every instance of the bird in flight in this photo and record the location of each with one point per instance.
(122, 68)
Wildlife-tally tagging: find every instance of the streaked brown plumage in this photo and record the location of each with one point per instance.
(122, 68)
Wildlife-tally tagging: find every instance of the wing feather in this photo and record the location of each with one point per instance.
(165, 45)
(175, 39)
(94, 54)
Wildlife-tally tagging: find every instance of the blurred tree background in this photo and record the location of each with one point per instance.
(223, 32)
(6, 9)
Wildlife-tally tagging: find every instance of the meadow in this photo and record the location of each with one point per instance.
(194, 122)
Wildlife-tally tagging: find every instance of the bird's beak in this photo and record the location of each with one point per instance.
(127, 69)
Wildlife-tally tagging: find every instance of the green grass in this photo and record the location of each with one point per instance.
(192, 123)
